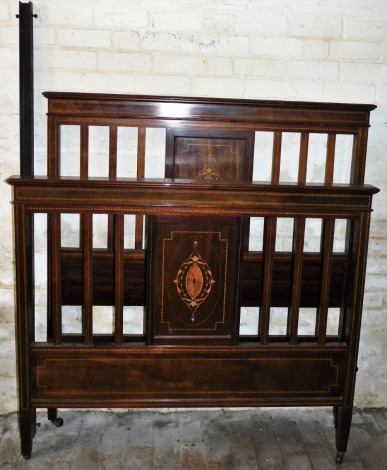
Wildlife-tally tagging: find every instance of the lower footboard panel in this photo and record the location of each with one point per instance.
(170, 376)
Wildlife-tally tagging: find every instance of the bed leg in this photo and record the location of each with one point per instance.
(27, 429)
(343, 426)
(52, 414)
(335, 416)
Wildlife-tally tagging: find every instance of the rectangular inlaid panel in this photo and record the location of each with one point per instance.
(207, 157)
(193, 374)
(193, 269)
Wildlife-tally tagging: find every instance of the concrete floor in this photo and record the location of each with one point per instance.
(249, 439)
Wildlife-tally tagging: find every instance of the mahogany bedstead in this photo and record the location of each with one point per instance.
(190, 268)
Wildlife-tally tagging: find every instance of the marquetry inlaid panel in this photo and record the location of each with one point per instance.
(193, 266)
(198, 156)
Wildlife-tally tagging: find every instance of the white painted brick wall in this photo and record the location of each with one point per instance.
(357, 72)
(260, 25)
(347, 92)
(4, 12)
(226, 46)
(364, 29)
(124, 62)
(354, 51)
(269, 49)
(315, 26)
(9, 35)
(286, 48)
(215, 86)
(281, 89)
(84, 38)
(219, 66)
(124, 16)
(311, 70)
(260, 68)
(69, 59)
(61, 14)
(181, 64)
(172, 20)
(125, 40)
(315, 49)
(159, 41)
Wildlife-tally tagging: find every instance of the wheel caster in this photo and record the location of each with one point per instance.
(340, 457)
(58, 422)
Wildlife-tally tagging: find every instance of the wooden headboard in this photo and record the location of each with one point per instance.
(191, 263)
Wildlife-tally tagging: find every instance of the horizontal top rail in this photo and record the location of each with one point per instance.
(351, 116)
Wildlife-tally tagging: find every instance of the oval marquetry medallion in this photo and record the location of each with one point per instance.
(194, 281)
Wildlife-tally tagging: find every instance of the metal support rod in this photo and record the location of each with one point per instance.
(26, 90)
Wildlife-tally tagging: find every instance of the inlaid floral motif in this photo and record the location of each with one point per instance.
(209, 172)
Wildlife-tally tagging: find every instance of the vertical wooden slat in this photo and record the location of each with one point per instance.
(330, 161)
(87, 310)
(84, 164)
(53, 170)
(55, 279)
(112, 174)
(298, 256)
(169, 152)
(118, 277)
(303, 159)
(349, 247)
(140, 174)
(113, 151)
(269, 237)
(53, 146)
(141, 152)
(359, 153)
(275, 170)
(327, 252)
(328, 234)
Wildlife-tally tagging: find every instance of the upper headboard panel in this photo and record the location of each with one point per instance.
(208, 126)
(299, 115)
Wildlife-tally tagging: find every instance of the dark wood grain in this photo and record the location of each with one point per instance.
(208, 188)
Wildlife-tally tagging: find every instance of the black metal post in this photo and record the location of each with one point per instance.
(26, 91)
